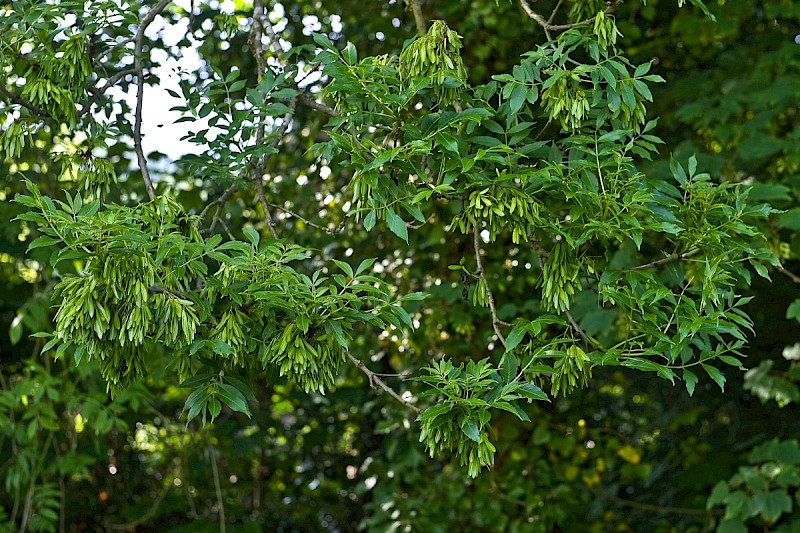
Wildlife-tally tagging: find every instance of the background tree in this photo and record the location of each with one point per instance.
(507, 172)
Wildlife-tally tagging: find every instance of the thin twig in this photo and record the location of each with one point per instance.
(651, 507)
(489, 295)
(332, 231)
(145, 517)
(27, 105)
(154, 289)
(587, 339)
(217, 488)
(230, 191)
(664, 260)
(375, 380)
(419, 18)
(319, 106)
(98, 92)
(791, 275)
(545, 24)
(137, 128)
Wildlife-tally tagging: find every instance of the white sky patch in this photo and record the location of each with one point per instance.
(159, 131)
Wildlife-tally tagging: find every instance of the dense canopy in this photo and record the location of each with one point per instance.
(422, 266)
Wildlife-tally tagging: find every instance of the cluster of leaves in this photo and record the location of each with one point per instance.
(761, 492)
(465, 396)
(145, 282)
(542, 171)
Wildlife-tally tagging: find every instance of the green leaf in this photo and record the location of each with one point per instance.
(691, 380)
(517, 99)
(508, 367)
(531, 392)
(516, 335)
(323, 40)
(397, 225)
(350, 54)
(771, 505)
(347, 269)
(252, 236)
(196, 380)
(43, 241)
(793, 311)
(233, 398)
(369, 220)
(716, 375)
(434, 411)
(15, 331)
(470, 429)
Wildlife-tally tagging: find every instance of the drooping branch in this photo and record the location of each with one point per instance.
(664, 260)
(374, 381)
(27, 105)
(586, 338)
(546, 23)
(419, 18)
(332, 231)
(219, 202)
(139, 67)
(98, 92)
(789, 274)
(489, 296)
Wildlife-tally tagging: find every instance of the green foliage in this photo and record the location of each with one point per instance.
(761, 492)
(360, 210)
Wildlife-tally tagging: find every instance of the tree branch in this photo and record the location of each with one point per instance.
(260, 24)
(482, 273)
(332, 231)
(587, 339)
(419, 18)
(155, 289)
(230, 191)
(788, 273)
(27, 105)
(375, 380)
(664, 260)
(651, 507)
(137, 128)
(217, 487)
(548, 27)
(98, 92)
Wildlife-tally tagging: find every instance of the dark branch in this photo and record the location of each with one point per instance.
(419, 19)
(27, 105)
(374, 381)
(548, 27)
(489, 296)
(137, 128)
(664, 260)
(586, 338)
(791, 275)
(230, 191)
(155, 289)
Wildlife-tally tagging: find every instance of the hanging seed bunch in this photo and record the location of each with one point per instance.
(564, 99)
(310, 359)
(444, 434)
(559, 279)
(436, 56)
(571, 371)
(108, 312)
(503, 208)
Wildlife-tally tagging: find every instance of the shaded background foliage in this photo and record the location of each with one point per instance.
(630, 452)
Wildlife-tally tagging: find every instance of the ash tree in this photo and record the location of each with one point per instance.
(532, 176)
